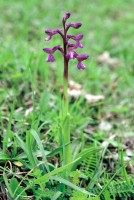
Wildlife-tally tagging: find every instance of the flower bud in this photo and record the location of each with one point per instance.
(66, 17)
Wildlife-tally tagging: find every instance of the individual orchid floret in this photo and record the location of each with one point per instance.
(66, 17)
(50, 53)
(77, 38)
(80, 58)
(80, 65)
(75, 25)
(71, 53)
(50, 33)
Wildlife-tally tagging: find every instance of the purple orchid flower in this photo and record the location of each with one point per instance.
(71, 53)
(76, 25)
(69, 50)
(80, 65)
(50, 33)
(77, 38)
(51, 52)
(80, 58)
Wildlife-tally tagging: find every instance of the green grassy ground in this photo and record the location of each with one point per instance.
(27, 81)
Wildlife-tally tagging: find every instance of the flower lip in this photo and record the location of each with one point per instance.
(50, 58)
(81, 66)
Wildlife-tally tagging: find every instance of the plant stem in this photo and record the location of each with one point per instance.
(66, 128)
(66, 117)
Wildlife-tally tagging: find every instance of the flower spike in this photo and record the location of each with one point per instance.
(68, 50)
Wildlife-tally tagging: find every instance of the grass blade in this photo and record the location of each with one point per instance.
(68, 183)
(36, 136)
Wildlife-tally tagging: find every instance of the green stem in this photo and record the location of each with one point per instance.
(66, 116)
(66, 127)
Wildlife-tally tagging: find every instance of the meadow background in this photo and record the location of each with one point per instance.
(30, 88)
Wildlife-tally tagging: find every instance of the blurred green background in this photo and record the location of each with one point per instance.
(107, 26)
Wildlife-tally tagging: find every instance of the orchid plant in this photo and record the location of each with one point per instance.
(68, 51)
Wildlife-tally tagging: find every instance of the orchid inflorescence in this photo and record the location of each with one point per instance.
(68, 50)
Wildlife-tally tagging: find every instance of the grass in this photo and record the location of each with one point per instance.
(30, 93)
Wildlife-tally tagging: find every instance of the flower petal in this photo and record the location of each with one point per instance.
(77, 38)
(81, 57)
(48, 38)
(79, 45)
(47, 50)
(81, 66)
(75, 25)
(71, 55)
(50, 33)
(50, 58)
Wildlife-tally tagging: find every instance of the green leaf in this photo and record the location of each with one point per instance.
(29, 144)
(45, 178)
(36, 136)
(16, 189)
(4, 157)
(7, 185)
(56, 196)
(21, 144)
(107, 195)
(84, 154)
(95, 198)
(124, 169)
(68, 183)
(9, 133)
